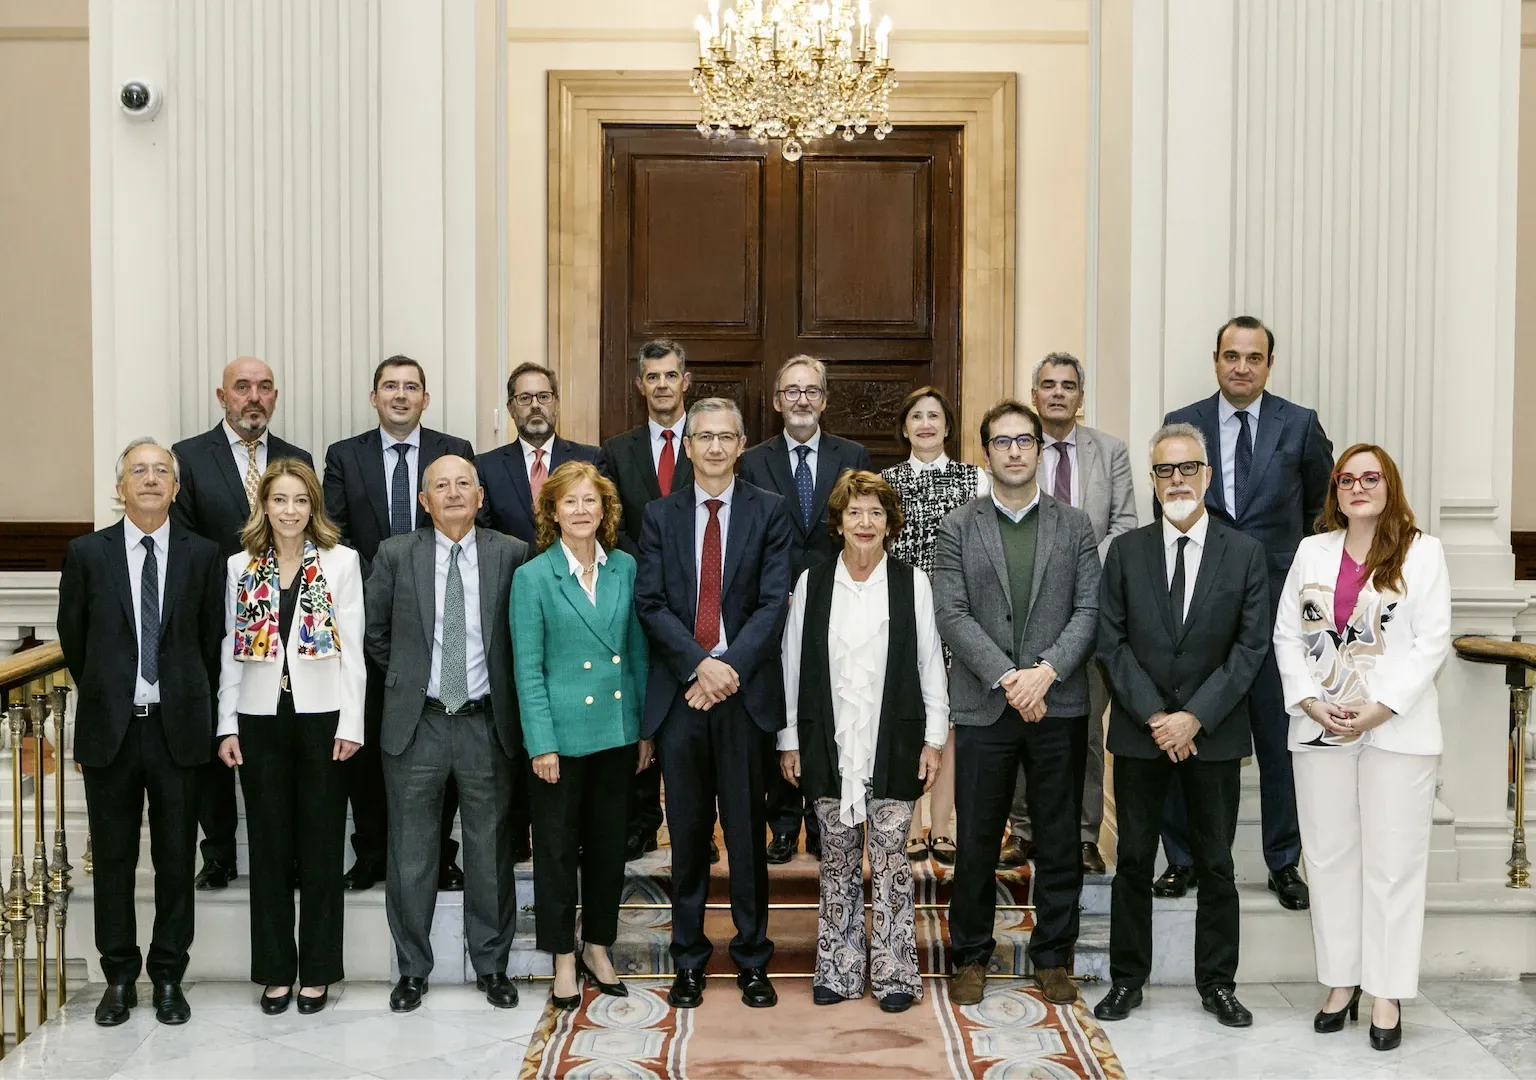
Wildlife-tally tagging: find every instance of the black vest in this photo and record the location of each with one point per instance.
(899, 741)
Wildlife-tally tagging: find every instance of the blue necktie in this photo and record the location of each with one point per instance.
(805, 485)
(149, 614)
(1242, 464)
(400, 493)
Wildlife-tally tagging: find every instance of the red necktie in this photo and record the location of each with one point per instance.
(666, 464)
(706, 624)
(537, 475)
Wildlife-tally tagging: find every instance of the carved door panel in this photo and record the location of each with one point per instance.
(851, 254)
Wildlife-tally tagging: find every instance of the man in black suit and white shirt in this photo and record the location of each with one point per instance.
(801, 465)
(647, 463)
(219, 473)
(371, 486)
(1184, 625)
(141, 621)
(712, 590)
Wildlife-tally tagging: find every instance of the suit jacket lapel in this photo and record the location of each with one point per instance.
(424, 578)
(1087, 468)
(117, 559)
(1272, 420)
(1050, 514)
(175, 572)
(828, 469)
(224, 459)
(1157, 572)
(559, 453)
(784, 480)
(1208, 420)
(684, 527)
(430, 450)
(992, 541)
(1210, 567)
(640, 450)
(370, 459)
(517, 470)
(735, 536)
(570, 588)
(490, 569)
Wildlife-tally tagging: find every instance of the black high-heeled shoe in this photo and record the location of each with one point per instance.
(1388, 1038)
(309, 1005)
(613, 989)
(568, 1004)
(273, 1005)
(1326, 1023)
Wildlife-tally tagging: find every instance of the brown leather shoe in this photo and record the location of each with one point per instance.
(1015, 853)
(967, 983)
(1093, 862)
(1056, 986)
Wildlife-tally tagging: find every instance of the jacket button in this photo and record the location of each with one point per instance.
(587, 664)
(615, 659)
(589, 699)
(617, 694)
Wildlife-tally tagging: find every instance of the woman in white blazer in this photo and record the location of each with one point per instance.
(290, 711)
(1364, 625)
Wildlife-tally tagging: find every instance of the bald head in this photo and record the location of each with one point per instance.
(249, 396)
(451, 494)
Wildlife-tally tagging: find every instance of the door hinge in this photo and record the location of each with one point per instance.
(613, 164)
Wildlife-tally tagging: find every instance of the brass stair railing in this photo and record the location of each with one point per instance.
(1519, 661)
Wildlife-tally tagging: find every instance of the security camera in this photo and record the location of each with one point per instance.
(139, 99)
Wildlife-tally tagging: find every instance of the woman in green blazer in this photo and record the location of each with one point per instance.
(581, 661)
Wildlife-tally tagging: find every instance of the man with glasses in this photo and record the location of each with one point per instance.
(1016, 595)
(801, 465)
(1180, 665)
(1271, 468)
(512, 476)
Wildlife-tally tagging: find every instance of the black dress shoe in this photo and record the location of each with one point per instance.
(171, 1004)
(115, 1003)
(638, 844)
(781, 849)
(364, 875)
(714, 851)
(1287, 884)
(687, 989)
(613, 989)
(825, 995)
(1015, 852)
(813, 846)
(1118, 1003)
(1175, 882)
(499, 990)
(1326, 1023)
(756, 991)
(1093, 862)
(215, 875)
(1229, 1011)
(450, 878)
(273, 1005)
(895, 1003)
(1388, 1038)
(309, 1005)
(407, 993)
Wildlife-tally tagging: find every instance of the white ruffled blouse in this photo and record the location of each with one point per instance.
(858, 640)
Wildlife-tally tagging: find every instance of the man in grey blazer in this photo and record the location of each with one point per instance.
(437, 625)
(1091, 470)
(1016, 597)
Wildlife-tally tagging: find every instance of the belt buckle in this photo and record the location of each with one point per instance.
(140, 711)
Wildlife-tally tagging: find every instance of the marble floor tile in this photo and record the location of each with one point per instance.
(491, 1061)
(1303, 995)
(248, 1061)
(1353, 1043)
(1513, 1000)
(1459, 1059)
(1139, 1042)
(514, 1025)
(218, 995)
(1239, 1058)
(1263, 996)
(374, 1042)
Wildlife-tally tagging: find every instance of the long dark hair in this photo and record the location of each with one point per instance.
(1395, 531)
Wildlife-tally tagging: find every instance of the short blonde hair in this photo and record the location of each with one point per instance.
(562, 480)
(858, 482)
(256, 537)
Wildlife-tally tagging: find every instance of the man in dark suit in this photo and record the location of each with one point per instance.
(371, 486)
(1184, 625)
(437, 624)
(801, 465)
(144, 718)
(1270, 471)
(647, 463)
(712, 590)
(219, 473)
(1016, 598)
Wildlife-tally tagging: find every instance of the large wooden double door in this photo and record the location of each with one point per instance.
(851, 254)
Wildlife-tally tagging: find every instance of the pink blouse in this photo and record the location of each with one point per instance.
(1346, 591)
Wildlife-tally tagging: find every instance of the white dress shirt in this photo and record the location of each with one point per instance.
(241, 455)
(575, 564)
(145, 693)
(1192, 552)
(814, 442)
(1230, 427)
(528, 455)
(983, 478)
(700, 523)
(1048, 465)
(658, 442)
(412, 457)
(858, 641)
(1017, 516)
(479, 680)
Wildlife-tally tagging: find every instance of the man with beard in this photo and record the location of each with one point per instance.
(1183, 626)
(801, 465)
(513, 476)
(371, 486)
(220, 471)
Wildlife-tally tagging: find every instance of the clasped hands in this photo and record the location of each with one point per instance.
(1347, 723)
(714, 681)
(1025, 689)
(1175, 733)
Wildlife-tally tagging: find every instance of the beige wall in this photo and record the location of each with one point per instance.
(45, 295)
(1523, 508)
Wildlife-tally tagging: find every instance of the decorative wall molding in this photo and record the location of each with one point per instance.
(685, 34)
(37, 545)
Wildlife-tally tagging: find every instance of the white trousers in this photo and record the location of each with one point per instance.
(1365, 818)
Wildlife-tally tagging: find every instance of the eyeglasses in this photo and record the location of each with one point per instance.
(812, 394)
(543, 397)
(1186, 468)
(727, 439)
(1001, 443)
(138, 472)
(1367, 481)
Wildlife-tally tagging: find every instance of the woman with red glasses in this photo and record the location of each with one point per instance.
(1363, 628)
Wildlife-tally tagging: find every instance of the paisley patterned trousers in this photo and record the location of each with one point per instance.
(841, 945)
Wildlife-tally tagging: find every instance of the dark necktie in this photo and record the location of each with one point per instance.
(1242, 465)
(1176, 587)
(805, 486)
(400, 493)
(666, 464)
(706, 624)
(1063, 473)
(149, 614)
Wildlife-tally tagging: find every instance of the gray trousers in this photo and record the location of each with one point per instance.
(1093, 773)
(464, 747)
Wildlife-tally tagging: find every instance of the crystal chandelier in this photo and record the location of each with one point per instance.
(793, 70)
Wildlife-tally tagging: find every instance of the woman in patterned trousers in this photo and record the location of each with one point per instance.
(868, 709)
